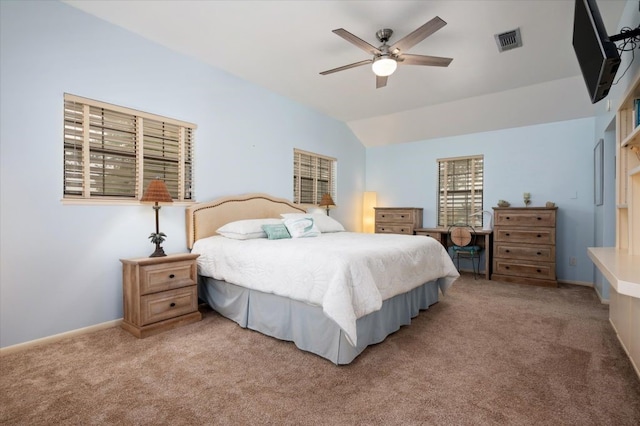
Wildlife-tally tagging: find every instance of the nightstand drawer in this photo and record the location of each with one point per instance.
(394, 229)
(525, 252)
(536, 236)
(168, 304)
(514, 268)
(165, 276)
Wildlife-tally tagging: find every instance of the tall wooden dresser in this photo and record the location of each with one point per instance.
(398, 220)
(524, 245)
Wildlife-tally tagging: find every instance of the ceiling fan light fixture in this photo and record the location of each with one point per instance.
(384, 66)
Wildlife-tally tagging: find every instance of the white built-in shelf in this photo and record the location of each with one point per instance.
(621, 269)
(633, 138)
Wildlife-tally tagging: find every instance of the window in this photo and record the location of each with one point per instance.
(313, 176)
(113, 152)
(460, 182)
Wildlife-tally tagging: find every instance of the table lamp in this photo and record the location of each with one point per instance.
(326, 202)
(157, 192)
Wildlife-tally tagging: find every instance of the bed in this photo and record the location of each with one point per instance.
(332, 294)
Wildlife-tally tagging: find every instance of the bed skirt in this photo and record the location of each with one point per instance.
(306, 325)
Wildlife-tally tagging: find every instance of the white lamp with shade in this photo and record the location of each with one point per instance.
(487, 219)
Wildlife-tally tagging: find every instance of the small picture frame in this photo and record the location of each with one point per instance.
(598, 173)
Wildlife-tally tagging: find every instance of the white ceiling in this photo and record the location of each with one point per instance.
(283, 45)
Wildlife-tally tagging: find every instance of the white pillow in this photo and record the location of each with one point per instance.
(246, 229)
(322, 221)
(301, 227)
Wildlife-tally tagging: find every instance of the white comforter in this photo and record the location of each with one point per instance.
(348, 274)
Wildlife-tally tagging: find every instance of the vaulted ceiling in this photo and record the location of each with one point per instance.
(284, 45)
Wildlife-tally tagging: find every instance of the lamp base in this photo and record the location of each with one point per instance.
(158, 253)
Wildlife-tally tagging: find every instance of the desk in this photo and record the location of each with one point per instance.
(483, 240)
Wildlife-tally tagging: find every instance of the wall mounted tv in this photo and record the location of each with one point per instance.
(596, 52)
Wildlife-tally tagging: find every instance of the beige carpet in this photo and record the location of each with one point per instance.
(488, 353)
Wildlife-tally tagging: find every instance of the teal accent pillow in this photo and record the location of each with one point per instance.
(276, 232)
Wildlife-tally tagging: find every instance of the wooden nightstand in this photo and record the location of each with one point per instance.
(160, 293)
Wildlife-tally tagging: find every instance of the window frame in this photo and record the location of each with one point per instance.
(472, 205)
(176, 137)
(331, 180)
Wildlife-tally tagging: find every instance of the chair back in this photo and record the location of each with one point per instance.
(462, 235)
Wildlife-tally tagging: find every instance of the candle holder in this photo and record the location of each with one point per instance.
(527, 199)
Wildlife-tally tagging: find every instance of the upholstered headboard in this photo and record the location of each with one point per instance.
(203, 219)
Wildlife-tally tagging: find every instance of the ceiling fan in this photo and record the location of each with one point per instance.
(386, 58)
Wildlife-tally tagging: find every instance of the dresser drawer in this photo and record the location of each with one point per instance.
(525, 252)
(524, 269)
(525, 218)
(394, 229)
(165, 276)
(530, 236)
(168, 304)
(395, 216)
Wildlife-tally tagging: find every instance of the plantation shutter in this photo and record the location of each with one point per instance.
(460, 187)
(113, 152)
(313, 176)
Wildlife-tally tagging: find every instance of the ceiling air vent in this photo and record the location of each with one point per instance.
(508, 40)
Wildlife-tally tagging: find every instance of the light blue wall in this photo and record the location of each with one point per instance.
(551, 161)
(60, 266)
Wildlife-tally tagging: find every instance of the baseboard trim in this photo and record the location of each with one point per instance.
(582, 283)
(602, 300)
(57, 337)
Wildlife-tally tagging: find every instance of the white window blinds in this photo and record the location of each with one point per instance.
(313, 176)
(113, 152)
(460, 183)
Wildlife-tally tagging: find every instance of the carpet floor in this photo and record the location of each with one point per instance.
(488, 353)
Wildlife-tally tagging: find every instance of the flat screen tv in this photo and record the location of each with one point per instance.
(597, 54)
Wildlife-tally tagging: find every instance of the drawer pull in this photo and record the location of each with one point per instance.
(539, 235)
(539, 218)
(172, 276)
(508, 218)
(539, 254)
(538, 270)
(383, 215)
(507, 251)
(172, 304)
(401, 230)
(506, 267)
(402, 216)
(507, 234)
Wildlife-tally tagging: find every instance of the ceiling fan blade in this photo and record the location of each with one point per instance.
(346, 67)
(418, 35)
(434, 61)
(357, 41)
(381, 81)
